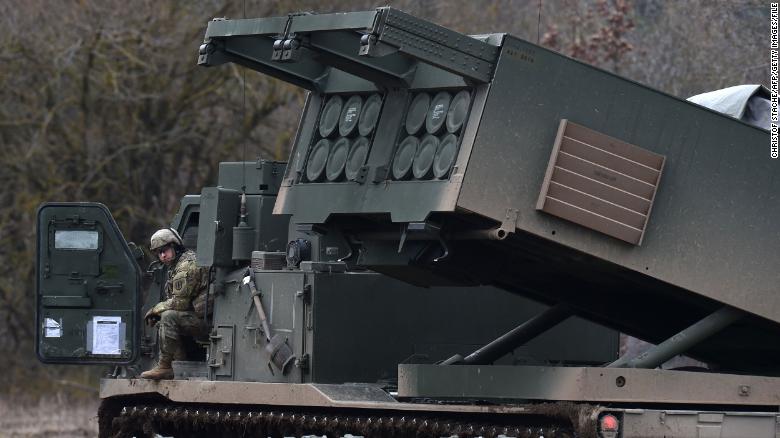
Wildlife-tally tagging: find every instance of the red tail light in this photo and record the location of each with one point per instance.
(608, 426)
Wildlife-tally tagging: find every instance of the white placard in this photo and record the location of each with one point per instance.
(52, 328)
(105, 334)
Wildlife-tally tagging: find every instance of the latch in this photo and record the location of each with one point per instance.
(304, 294)
(103, 288)
(302, 363)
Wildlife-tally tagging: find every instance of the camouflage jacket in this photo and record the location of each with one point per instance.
(186, 282)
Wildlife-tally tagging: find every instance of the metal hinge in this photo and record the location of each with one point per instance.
(302, 363)
(304, 294)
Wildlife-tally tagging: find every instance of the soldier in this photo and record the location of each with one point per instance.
(185, 290)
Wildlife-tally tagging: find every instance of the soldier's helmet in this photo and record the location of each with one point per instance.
(162, 237)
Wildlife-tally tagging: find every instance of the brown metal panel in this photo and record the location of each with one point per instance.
(615, 146)
(592, 220)
(596, 205)
(601, 190)
(605, 175)
(607, 159)
(600, 182)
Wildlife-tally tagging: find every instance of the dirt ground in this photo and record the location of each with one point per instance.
(52, 416)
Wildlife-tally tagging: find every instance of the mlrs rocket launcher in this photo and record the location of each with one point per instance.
(442, 158)
(378, 283)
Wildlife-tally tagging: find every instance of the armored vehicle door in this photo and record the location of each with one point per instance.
(88, 287)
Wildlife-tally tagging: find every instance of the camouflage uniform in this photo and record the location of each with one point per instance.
(186, 286)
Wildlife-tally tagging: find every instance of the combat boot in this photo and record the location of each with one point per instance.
(163, 371)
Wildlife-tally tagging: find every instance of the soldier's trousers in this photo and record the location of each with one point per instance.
(175, 324)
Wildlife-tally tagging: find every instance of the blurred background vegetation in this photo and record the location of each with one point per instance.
(101, 100)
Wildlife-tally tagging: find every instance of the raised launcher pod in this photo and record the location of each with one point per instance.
(492, 160)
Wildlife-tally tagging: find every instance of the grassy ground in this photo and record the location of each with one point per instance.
(51, 416)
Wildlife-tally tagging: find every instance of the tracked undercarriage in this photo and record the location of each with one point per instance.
(281, 410)
(216, 421)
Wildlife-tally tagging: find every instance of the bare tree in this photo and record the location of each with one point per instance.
(104, 102)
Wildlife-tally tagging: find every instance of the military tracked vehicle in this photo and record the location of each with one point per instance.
(464, 227)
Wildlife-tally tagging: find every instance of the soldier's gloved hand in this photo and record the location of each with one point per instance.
(151, 318)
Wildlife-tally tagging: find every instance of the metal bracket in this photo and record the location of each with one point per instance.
(302, 363)
(420, 229)
(369, 43)
(380, 174)
(102, 287)
(370, 47)
(348, 243)
(277, 53)
(360, 178)
(304, 294)
(290, 50)
(509, 225)
(204, 51)
(445, 250)
(311, 229)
